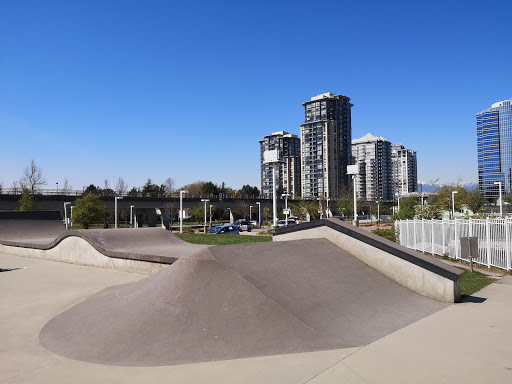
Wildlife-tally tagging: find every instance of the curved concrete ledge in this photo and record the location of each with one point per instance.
(76, 250)
(142, 250)
(426, 276)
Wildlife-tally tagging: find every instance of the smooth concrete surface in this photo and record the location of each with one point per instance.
(468, 342)
(238, 301)
(416, 277)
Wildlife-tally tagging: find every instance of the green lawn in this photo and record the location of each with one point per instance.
(199, 238)
(472, 282)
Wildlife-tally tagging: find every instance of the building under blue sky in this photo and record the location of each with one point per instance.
(494, 140)
(94, 90)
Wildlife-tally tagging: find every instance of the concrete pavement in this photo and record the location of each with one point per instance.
(469, 342)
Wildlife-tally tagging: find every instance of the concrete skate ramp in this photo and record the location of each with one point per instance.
(38, 227)
(239, 301)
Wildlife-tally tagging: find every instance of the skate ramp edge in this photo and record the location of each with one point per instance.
(421, 274)
(77, 248)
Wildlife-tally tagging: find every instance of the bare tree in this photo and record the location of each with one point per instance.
(32, 178)
(121, 187)
(106, 184)
(1, 187)
(169, 186)
(15, 187)
(67, 187)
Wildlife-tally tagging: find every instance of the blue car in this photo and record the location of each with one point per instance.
(224, 230)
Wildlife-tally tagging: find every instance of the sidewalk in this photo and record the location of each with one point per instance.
(469, 342)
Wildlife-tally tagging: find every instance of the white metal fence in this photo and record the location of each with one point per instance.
(442, 237)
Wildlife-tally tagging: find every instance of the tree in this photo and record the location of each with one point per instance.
(150, 189)
(32, 178)
(121, 187)
(168, 186)
(475, 201)
(107, 191)
(89, 209)
(346, 205)
(407, 209)
(209, 188)
(428, 212)
(248, 190)
(27, 201)
(92, 189)
(67, 187)
(134, 192)
(15, 187)
(241, 209)
(194, 188)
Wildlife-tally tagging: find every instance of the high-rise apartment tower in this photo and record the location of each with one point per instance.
(326, 136)
(373, 156)
(405, 170)
(494, 142)
(289, 170)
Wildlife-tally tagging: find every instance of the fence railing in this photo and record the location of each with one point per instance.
(442, 237)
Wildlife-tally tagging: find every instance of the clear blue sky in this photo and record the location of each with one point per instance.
(136, 89)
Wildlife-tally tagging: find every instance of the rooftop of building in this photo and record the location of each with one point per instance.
(282, 134)
(327, 95)
(369, 138)
(500, 103)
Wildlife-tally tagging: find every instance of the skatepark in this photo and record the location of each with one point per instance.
(293, 310)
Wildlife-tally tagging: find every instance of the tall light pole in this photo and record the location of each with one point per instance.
(501, 200)
(57, 188)
(378, 213)
(211, 215)
(327, 212)
(131, 215)
(205, 201)
(453, 203)
(229, 214)
(250, 213)
(320, 209)
(115, 210)
(72, 216)
(181, 210)
(273, 157)
(259, 213)
(66, 214)
(354, 171)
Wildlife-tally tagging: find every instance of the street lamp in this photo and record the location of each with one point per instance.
(57, 188)
(259, 213)
(131, 215)
(453, 202)
(115, 210)
(211, 215)
(72, 216)
(205, 201)
(181, 210)
(66, 214)
(320, 209)
(250, 213)
(327, 212)
(378, 213)
(273, 157)
(286, 195)
(501, 200)
(354, 171)
(229, 214)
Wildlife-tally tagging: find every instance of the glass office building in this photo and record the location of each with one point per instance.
(326, 136)
(494, 142)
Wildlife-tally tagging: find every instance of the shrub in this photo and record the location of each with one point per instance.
(388, 233)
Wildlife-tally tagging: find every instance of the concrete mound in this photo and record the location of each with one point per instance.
(238, 301)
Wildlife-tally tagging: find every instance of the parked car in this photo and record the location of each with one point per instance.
(224, 230)
(282, 223)
(254, 223)
(244, 225)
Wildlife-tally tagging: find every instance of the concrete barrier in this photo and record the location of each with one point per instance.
(422, 274)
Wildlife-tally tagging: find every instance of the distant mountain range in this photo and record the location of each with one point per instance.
(432, 187)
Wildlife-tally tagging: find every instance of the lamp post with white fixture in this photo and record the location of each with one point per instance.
(501, 199)
(211, 215)
(115, 210)
(453, 203)
(286, 195)
(66, 214)
(131, 215)
(259, 213)
(354, 171)
(205, 201)
(181, 210)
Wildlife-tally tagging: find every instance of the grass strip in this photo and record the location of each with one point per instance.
(472, 282)
(196, 238)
